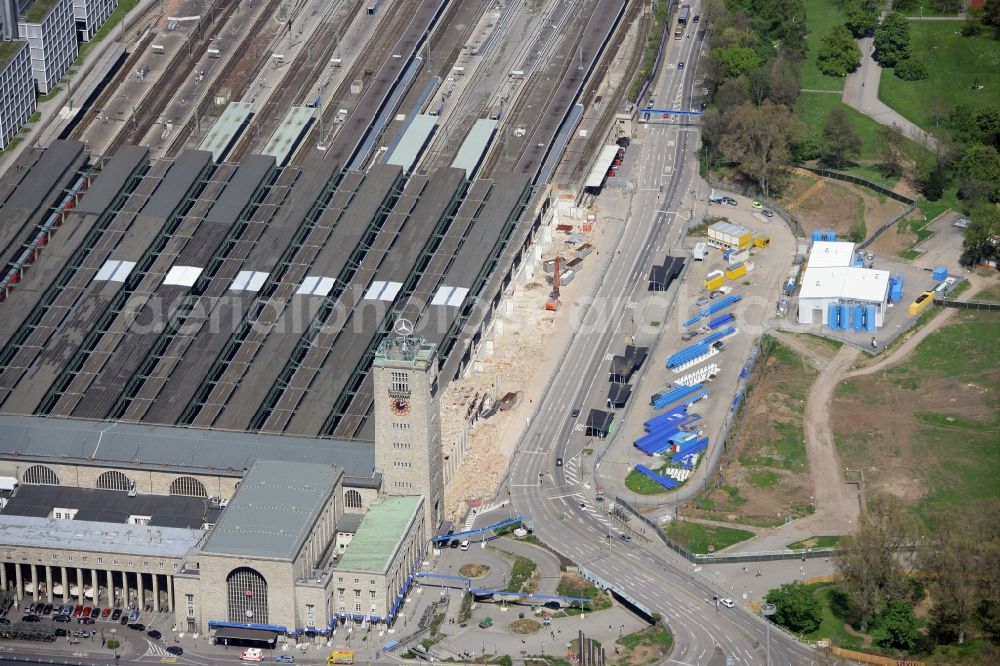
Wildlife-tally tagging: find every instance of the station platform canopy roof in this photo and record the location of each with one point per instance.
(601, 166)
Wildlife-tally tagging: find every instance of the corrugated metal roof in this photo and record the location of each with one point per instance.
(826, 254)
(76, 535)
(273, 510)
(112, 178)
(845, 282)
(170, 448)
(379, 535)
(412, 142)
(41, 178)
(601, 166)
(474, 147)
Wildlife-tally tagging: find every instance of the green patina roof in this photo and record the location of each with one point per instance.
(380, 532)
(39, 10)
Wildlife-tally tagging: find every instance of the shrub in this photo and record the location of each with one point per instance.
(911, 70)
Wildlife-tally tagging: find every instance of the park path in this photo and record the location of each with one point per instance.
(861, 94)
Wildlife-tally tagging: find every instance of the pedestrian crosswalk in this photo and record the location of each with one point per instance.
(571, 470)
(154, 650)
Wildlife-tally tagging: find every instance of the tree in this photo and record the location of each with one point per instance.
(911, 70)
(892, 40)
(796, 608)
(890, 157)
(861, 16)
(981, 163)
(783, 87)
(840, 142)
(982, 237)
(988, 122)
(758, 82)
(991, 15)
(758, 137)
(738, 59)
(113, 644)
(948, 6)
(838, 52)
(963, 126)
(932, 179)
(938, 108)
(872, 559)
(899, 626)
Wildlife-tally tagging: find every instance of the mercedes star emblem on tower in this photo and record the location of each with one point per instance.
(403, 327)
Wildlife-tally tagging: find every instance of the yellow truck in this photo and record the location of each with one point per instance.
(340, 657)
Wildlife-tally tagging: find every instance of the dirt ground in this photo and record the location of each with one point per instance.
(829, 205)
(766, 476)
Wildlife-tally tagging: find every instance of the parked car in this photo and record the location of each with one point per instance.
(87, 620)
(124, 619)
(80, 633)
(175, 649)
(4, 620)
(465, 544)
(116, 613)
(137, 626)
(756, 204)
(154, 634)
(767, 212)
(729, 201)
(59, 631)
(85, 612)
(611, 173)
(61, 618)
(285, 659)
(252, 654)
(31, 618)
(47, 609)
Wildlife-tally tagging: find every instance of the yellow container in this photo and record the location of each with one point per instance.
(736, 271)
(745, 240)
(761, 241)
(714, 280)
(921, 304)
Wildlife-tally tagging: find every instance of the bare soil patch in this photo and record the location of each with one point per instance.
(524, 627)
(839, 207)
(473, 570)
(765, 475)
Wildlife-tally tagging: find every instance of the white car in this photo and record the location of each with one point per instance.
(252, 654)
(727, 602)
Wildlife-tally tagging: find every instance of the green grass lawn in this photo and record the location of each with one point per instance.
(521, 573)
(815, 542)
(658, 635)
(918, 8)
(697, 538)
(813, 108)
(821, 17)
(832, 627)
(639, 483)
(954, 62)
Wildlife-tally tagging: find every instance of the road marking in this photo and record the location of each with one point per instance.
(563, 496)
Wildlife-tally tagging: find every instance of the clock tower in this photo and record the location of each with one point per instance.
(408, 420)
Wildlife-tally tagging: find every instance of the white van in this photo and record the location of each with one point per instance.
(700, 249)
(465, 544)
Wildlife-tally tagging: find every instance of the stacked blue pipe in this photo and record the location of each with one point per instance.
(715, 337)
(714, 307)
(664, 481)
(675, 395)
(697, 446)
(674, 416)
(721, 320)
(687, 354)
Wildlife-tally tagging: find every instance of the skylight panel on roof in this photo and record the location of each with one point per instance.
(114, 271)
(184, 276)
(248, 281)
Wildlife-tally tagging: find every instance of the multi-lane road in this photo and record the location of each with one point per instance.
(563, 515)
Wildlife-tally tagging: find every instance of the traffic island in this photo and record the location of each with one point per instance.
(473, 570)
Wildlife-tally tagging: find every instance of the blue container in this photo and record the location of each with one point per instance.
(859, 315)
(832, 316)
(870, 318)
(845, 316)
(940, 273)
(817, 235)
(859, 261)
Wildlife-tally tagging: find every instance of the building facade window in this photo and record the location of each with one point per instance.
(357, 607)
(40, 475)
(247, 596)
(400, 426)
(400, 445)
(401, 464)
(310, 615)
(371, 593)
(115, 481)
(400, 383)
(60, 513)
(188, 486)
(190, 605)
(352, 499)
(100, 560)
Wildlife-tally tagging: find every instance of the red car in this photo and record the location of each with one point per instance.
(611, 173)
(86, 611)
(106, 612)
(78, 611)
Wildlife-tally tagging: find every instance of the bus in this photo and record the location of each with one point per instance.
(340, 657)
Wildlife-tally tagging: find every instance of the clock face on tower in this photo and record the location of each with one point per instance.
(399, 406)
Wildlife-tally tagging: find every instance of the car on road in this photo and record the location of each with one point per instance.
(680, 65)
(137, 626)
(697, 17)
(285, 659)
(175, 649)
(575, 413)
(558, 462)
(61, 618)
(80, 633)
(252, 654)
(767, 212)
(59, 631)
(154, 634)
(756, 204)
(624, 537)
(727, 602)
(583, 505)
(117, 613)
(465, 545)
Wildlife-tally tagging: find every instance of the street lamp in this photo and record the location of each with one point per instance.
(766, 611)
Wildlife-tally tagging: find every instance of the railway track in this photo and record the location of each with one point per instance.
(305, 70)
(236, 75)
(153, 104)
